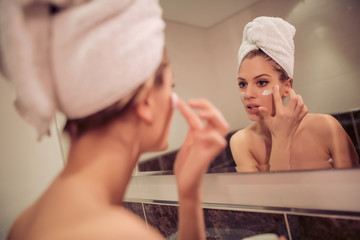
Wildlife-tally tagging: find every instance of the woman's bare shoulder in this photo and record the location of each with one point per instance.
(245, 134)
(114, 223)
(319, 116)
(242, 142)
(320, 122)
(111, 223)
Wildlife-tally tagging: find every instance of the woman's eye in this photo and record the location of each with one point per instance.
(242, 84)
(262, 83)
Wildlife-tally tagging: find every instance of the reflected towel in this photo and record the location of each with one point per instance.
(274, 36)
(80, 60)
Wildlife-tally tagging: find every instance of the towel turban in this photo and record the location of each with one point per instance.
(80, 60)
(274, 36)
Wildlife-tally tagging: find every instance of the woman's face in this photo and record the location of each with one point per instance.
(255, 78)
(163, 108)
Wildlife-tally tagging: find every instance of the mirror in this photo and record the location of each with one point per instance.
(203, 38)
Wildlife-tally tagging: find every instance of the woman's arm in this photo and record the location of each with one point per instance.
(205, 140)
(342, 150)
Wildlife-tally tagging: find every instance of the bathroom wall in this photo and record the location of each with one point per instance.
(239, 223)
(327, 57)
(26, 165)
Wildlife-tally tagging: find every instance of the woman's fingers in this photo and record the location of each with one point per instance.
(265, 114)
(293, 100)
(192, 119)
(206, 146)
(208, 137)
(277, 99)
(299, 104)
(296, 104)
(211, 114)
(304, 109)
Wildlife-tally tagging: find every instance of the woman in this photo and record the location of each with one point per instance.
(284, 136)
(117, 98)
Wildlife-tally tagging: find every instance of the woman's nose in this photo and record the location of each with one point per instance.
(250, 92)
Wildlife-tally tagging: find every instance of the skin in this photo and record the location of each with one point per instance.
(85, 200)
(284, 136)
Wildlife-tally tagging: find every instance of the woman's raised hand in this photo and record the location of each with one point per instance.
(204, 141)
(287, 117)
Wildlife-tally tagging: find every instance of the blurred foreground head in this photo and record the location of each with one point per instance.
(78, 56)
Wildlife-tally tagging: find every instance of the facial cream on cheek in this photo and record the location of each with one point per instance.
(267, 92)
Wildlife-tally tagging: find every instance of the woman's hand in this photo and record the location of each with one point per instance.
(204, 141)
(287, 117)
(282, 127)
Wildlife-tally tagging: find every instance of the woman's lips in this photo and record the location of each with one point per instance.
(252, 109)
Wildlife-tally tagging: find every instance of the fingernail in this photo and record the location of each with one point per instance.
(277, 86)
(174, 99)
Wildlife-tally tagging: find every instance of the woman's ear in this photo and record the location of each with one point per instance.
(145, 108)
(288, 86)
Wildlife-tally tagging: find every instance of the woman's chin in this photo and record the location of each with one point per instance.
(254, 118)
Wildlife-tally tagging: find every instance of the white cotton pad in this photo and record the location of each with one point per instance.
(174, 100)
(267, 92)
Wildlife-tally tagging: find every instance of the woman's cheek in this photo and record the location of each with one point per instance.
(242, 96)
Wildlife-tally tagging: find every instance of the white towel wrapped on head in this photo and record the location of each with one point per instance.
(80, 60)
(274, 36)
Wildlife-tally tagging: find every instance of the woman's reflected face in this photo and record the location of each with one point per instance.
(256, 78)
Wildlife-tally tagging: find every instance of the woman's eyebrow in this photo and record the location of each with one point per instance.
(258, 76)
(261, 75)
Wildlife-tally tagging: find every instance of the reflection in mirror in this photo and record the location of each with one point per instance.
(283, 136)
(204, 60)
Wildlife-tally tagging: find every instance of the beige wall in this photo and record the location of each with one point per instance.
(327, 58)
(26, 166)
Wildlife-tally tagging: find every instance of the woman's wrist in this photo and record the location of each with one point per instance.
(284, 139)
(190, 197)
(280, 153)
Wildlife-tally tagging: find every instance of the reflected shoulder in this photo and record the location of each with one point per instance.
(241, 135)
(242, 142)
(320, 121)
(322, 126)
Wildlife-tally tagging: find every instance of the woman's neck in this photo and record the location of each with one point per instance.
(261, 128)
(103, 161)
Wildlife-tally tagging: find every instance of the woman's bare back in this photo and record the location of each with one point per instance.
(69, 213)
